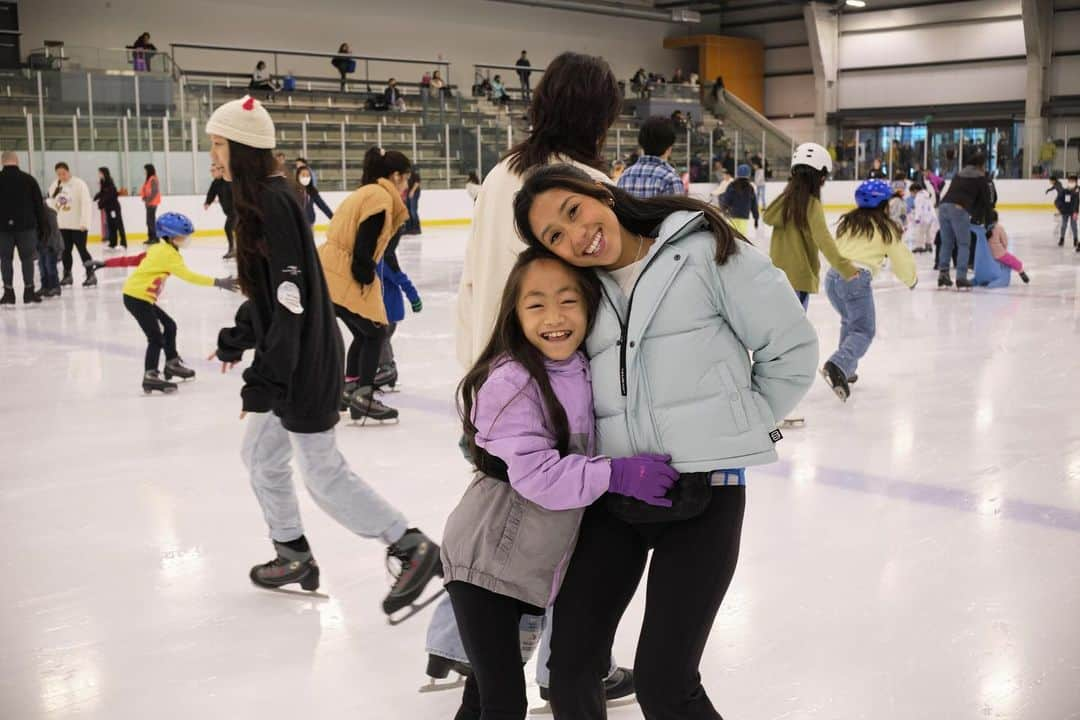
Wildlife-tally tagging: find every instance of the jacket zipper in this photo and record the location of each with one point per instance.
(624, 327)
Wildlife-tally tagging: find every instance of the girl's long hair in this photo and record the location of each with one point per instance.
(508, 343)
(865, 222)
(804, 184)
(250, 169)
(575, 103)
(379, 163)
(151, 171)
(106, 177)
(641, 216)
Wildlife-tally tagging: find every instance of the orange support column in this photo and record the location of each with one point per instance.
(741, 62)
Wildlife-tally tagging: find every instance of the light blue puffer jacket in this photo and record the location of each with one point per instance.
(711, 358)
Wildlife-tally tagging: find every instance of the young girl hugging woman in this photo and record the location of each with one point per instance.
(867, 236)
(527, 407)
(698, 347)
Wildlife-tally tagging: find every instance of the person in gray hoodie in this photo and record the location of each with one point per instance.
(699, 347)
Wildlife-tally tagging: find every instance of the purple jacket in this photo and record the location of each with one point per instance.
(515, 538)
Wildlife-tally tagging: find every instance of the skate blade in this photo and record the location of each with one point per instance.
(306, 594)
(837, 390)
(434, 685)
(413, 609)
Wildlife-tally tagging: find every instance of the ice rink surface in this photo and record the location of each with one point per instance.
(915, 554)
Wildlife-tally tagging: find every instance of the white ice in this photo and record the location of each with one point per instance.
(913, 555)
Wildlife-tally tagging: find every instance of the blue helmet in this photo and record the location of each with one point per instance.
(873, 193)
(172, 225)
(743, 171)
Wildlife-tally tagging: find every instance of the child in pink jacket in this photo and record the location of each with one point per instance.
(999, 247)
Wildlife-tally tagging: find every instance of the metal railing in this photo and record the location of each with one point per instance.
(81, 57)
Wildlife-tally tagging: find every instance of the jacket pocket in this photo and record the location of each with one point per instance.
(734, 397)
(515, 515)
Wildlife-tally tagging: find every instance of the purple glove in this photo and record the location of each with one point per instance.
(645, 477)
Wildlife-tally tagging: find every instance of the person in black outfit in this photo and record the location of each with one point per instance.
(343, 63)
(108, 201)
(22, 226)
(222, 192)
(523, 76)
(306, 180)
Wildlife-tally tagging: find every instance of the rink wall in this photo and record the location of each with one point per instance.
(441, 208)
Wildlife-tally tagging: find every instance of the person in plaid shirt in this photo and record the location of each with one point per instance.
(652, 174)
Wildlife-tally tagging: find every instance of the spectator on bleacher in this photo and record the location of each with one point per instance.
(393, 98)
(472, 185)
(344, 63)
(678, 120)
(221, 191)
(142, 52)
(523, 76)
(499, 96)
(565, 130)
(640, 83)
(280, 162)
(151, 197)
(652, 174)
(438, 85)
(678, 78)
(412, 202)
(311, 195)
(261, 79)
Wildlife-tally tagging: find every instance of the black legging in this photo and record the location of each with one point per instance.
(160, 330)
(229, 223)
(488, 624)
(362, 358)
(74, 239)
(115, 224)
(151, 223)
(692, 565)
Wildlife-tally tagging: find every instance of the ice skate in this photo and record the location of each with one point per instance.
(67, 279)
(417, 557)
(853, 378)
(1024, 277)
(617, 692)
(943, 279)
(91, 279)
(9, 297)
(175, 368)
(837, 380)
(439, 668)
(346, 395)
(963, 284)
(290, 566)
(152, 381)
(386, 377)
(364, 405)
(30, 296)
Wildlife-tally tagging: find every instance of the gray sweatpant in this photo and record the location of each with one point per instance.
(267, 451)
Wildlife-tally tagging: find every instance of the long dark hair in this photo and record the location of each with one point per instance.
(310, 188)
(641, 216)
(250, 168)
(508, 343)
(106, 177)
(574, 104)
(151, 171)
(804, 184)
(379, 163)
(865, 222)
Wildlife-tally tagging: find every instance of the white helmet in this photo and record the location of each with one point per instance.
(812, 155)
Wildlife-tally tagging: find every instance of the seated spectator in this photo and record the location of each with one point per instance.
(439, 85)
(499, 96)
(678, 78)
(652, 174)
(261, 79)
(393, 97)
(344, 63)
(679, 121)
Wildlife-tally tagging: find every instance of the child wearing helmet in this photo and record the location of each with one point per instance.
(867, 236)
(739, 201)
(799, 228)
(143, 289)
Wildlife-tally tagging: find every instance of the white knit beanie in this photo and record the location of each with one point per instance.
(245, 121)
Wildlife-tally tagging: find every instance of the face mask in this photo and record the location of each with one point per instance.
(305, 180)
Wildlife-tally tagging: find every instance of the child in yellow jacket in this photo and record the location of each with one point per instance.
(866, 237)
(143, 288)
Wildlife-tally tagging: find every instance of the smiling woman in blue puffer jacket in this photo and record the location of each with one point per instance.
(698, 347)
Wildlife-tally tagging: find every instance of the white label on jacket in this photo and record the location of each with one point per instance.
(289, 296)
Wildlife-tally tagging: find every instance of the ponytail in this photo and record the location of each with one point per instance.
(379, 163)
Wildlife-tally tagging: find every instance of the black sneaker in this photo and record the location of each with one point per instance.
(616, 687)
(290, 566)
(417, 557)
(837, 380)
(9, 297)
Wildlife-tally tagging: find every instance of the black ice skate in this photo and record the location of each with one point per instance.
(619, 686)
(439, 668)
(175, 368)
(386, 377)
(347, 394)
(152, 381)
(363, 405)
(1024, 277)
(290, 566)
(91, 279)
(30, 296)
(943, 279)
(418, 562)
(962, 283)
(837, 380)
(67, 280)
(9, 297)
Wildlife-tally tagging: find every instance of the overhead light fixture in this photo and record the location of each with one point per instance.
(856, 3)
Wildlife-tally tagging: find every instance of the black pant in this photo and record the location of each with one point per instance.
(151, 224)
(488, 624)
(160, 330)
(114, 220)
(229, 224)
(73, 239)
(362, 358)
(692, 565)
(26, 242)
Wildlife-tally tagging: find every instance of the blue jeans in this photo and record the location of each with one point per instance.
(47, 260)
(444, 640)
(955, 224)
(854, 300)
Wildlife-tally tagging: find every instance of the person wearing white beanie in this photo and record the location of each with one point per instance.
(294, 385)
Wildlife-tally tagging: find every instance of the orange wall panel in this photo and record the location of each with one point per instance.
(741, 62)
